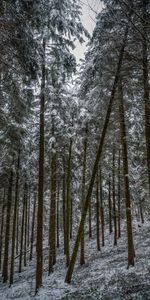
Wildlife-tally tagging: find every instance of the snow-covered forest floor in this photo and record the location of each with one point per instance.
(104, 276)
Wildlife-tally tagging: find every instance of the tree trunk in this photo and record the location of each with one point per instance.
(22, 227)
(25, 227)
(141, 213)
(95, 167)
(82, 258)
(28, 231)
(58, 215)
(126, 178)
(90, 221)
(119, 197)
(102, 210)
(32, 228)
(7, 228)
(109, 205)
(64, 205)
(114, 199)
(146, 86)
(2, 227)
(14, 221)
(39, 244)
(68, 206)
(17, 227)
(71, 215)
(52, 229)
(97, 214)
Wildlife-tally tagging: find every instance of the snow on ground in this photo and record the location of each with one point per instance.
(104, 276)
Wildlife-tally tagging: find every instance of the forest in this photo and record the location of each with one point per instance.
(74, 150)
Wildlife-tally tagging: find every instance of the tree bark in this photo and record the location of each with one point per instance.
(7, 228)
(17, 227)
(102, 210)
(114, 199)
(82, 258)
(14, 221)
(25, 226)
(2, 227)
(64, 205)
(28, 231)
(22, 227)
(90, 221)
(141, 213)
(39, 244)
(119, 197)
(32, 228)
(58, 214)
(97, 214)
(146, 86)
(126, 178)
(52, 229)
(71, 215)
(68, 205)
(109, 205)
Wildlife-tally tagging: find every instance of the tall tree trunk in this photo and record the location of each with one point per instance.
(28, 231)
(64, 204)
(114, 199)
(17, 227)
(52, 229)
(141, 213)
(109, 205)
(7, 228)
(32, 228)
(68, 205)
(39, 244)
(97, 214)
(126, 178)
(2, 227)
(90, 221)
(58, 214)
(25, 227)
(82, 258)
(22, 227)
(119, 196)
(102, 210)
(146, 86)
(95, 167)
(71, 215)
(14, 221)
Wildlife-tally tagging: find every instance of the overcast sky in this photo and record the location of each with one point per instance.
(88, 18)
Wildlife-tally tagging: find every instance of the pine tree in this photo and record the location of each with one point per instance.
(82, 259)
(126, 179)
(2, 227)
(7, 227)
(95, 168)
(114, 199)
(14, 221)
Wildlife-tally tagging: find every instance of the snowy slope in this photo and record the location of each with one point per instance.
(104, 276)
